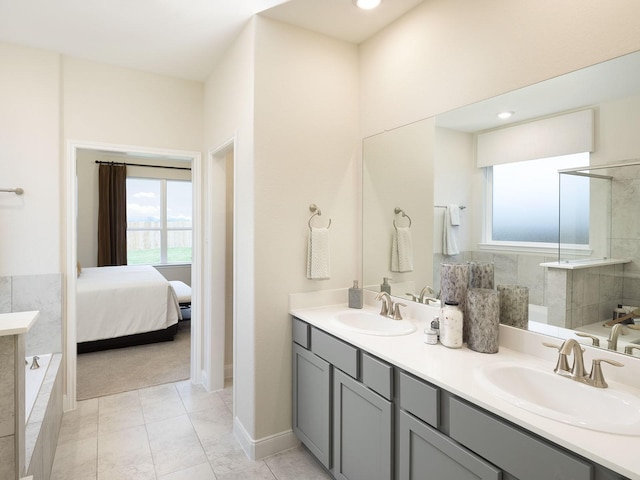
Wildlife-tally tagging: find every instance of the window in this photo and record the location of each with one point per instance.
(523, 201)
(159, 221)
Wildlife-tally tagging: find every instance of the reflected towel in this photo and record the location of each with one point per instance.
(454, 214)
(450, 232)
(402, 251)
(318, 257)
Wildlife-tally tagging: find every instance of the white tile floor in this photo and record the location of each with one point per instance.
(176, 431)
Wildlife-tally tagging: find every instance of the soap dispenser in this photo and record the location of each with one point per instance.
(355, 296)
(384, 286)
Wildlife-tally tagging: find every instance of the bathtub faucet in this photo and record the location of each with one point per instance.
(35, 363)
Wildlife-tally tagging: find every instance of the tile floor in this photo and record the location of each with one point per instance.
(169, 432)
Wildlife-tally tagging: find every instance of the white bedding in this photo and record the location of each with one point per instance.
(118, 301)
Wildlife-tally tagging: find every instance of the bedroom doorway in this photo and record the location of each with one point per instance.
(75, 248)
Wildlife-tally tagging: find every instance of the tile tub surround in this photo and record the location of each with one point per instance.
(454, 370)
(43, 426)
(13, 327)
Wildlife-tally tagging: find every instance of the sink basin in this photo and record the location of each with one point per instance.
(373, 324)
(562, 399)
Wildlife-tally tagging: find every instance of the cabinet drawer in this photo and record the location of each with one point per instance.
(377, 375)
(516, 452)
(300, 332)
(426, 453)
(336, 352)
(420, 399)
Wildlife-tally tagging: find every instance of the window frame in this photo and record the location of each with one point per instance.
(163, 229)
(545, 248)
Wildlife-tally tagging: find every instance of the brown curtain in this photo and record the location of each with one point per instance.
(112, 215)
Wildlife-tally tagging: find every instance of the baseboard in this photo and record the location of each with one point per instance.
(228, 371)
(265, 447)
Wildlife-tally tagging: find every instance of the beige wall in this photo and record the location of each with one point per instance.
(228, 114)
(449, 53)
(108, 104)
(306, 144)
(30, 159)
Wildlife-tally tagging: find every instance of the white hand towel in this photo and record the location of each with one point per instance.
(402, 251)
(454, 214)
(318, 258)
(449, 234)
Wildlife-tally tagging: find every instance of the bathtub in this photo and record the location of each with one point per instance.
(33, 380)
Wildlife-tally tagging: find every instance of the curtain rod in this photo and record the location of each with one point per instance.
(100, 162)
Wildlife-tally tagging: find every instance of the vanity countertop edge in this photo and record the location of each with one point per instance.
(17, 323)
(455, 371)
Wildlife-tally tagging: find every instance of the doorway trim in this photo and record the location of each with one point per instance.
(215, 255)
(71, 242)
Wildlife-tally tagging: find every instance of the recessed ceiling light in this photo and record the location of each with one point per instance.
(504, 115)
(366, 4)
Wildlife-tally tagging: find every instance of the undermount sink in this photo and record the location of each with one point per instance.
(370, 323)
(562, 399)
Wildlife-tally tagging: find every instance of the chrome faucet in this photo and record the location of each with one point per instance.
(572, 347)
(617, 330)
(387, 303)
(389, 309)
(424, 296)
(34, 363)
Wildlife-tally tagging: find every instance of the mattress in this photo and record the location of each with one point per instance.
(126, 300)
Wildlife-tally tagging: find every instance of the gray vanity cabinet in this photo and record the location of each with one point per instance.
(311, 406)
(425, 453)
(342, 405)
(362, 431)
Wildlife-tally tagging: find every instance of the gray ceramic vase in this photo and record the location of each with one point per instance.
(483, 320)
(514, 305)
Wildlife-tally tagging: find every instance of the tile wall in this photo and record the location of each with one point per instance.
(36, 292)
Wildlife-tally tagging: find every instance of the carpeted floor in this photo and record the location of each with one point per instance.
(124, 369)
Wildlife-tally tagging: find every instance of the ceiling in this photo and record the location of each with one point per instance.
(180, 38)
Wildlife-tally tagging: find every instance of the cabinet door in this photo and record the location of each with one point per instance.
(311, 388)
(425, 453)
(362, 431)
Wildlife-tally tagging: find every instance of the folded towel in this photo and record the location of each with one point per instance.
(449, 233)
(318, 257)
(454, 214)
(402, 251)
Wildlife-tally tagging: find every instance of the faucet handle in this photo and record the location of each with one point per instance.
(563, 364)
(595, 341)
(629, 349)
(396, 311)
(596, 378)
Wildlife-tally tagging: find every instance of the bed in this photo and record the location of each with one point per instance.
(123, 306)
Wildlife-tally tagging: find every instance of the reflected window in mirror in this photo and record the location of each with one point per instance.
(522, 203)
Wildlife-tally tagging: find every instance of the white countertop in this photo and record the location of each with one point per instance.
(17, 323)
(455, 370)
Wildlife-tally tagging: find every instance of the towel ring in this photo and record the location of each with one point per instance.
(316, 211)
(399, 210)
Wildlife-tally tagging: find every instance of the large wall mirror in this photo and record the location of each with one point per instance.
(413, 173)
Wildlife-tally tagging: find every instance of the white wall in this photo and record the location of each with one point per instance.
(228, 110)
(448, 53)
(306, 151)
(457, 181)
(108, 104)
(30, 159)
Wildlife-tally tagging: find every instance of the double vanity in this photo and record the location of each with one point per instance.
(372, 400)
